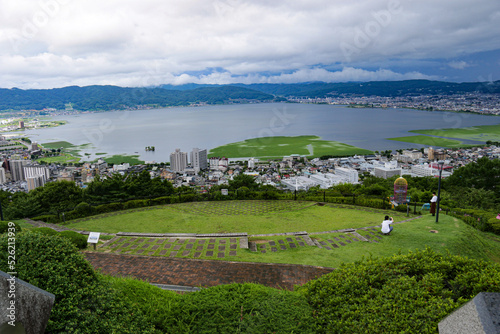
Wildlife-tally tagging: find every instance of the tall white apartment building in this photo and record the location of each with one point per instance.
(423, 170)
(251, 163)
(178, 161)
(2, 175)
(35, 181)
(199, 159)
(31, 171)
(16, 169)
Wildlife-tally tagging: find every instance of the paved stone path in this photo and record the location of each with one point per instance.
(204, 273)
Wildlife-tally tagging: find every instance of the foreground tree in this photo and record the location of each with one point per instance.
(483, 174)
(57, 196)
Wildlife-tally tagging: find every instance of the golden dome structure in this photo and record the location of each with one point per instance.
(400, 190)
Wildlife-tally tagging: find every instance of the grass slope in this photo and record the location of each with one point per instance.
(277, 147)
(254, 217)
(451, 234)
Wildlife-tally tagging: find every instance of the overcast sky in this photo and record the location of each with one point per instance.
(56, 43)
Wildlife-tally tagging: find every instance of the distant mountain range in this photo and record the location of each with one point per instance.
(116, 98)
(378, 88)
(113, 97)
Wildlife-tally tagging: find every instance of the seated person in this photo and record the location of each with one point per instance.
(386, 225)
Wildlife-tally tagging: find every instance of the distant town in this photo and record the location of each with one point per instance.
(20, 171)
(486, 104)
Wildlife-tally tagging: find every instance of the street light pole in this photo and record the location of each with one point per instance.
(440, 167)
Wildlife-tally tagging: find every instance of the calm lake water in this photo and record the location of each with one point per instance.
(129, 132)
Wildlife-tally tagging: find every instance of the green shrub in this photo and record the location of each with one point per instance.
(79, 240)
(401, 208)
(104, 208)
(269, 195)
(4, 227)
(160, 200)
(494, 225)
(51, 219)
(240, 308)
(233, 308)
(83, 208)
(83, 302)
(138, 203)
(401, 294)
(45, 230)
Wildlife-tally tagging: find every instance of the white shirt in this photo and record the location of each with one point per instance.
(385, 226)
(434, 199)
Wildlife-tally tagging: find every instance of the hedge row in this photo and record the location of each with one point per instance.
(400, 294)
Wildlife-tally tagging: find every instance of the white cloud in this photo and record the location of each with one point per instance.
(61, 42)
(458, 65)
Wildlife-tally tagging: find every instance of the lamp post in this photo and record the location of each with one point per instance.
(440, 167)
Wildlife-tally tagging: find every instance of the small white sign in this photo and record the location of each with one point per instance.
(224, 192)
(93, 237)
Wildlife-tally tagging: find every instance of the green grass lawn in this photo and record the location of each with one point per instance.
(253, 217)
(480, 133)
(277, 147)
(452, 235)
(268, 217)
(431, 141)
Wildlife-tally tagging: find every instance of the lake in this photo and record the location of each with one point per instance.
(129, 132)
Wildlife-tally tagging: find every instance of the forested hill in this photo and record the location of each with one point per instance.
(377, 88)
(113, 97)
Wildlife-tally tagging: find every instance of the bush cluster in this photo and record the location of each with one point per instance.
(84, 303)
(4, 226)
(233, 308)
(77, 239)
(401, 294)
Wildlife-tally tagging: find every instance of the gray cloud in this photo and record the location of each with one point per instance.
(53, 43)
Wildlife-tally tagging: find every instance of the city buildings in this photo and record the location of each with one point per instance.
(388, 170)
(199, 159)
(3, 179)
(178, 161)
(16, 169)
(348, 175)
(35, 182)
